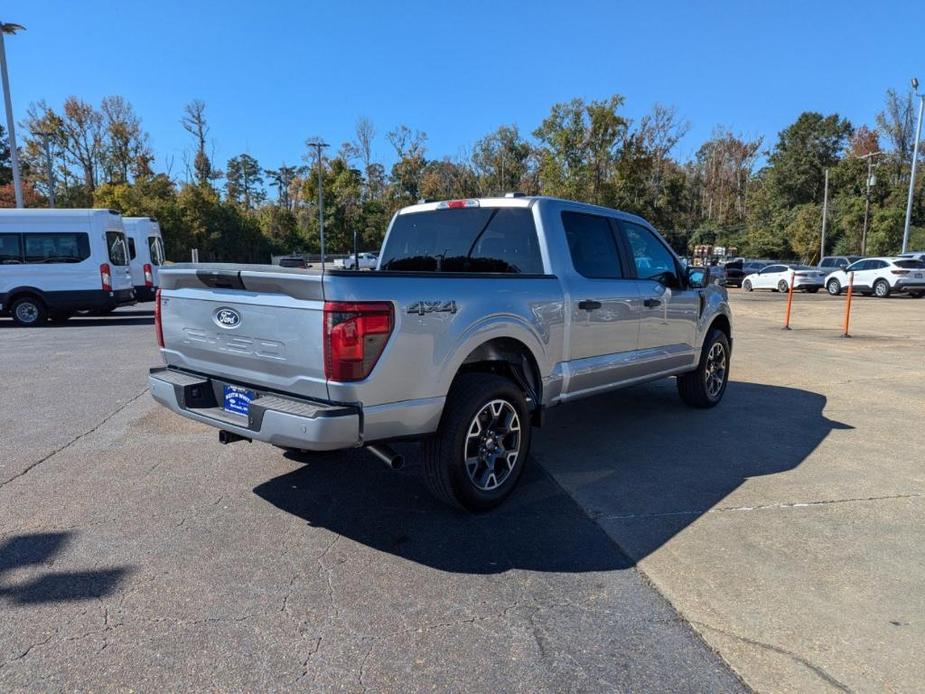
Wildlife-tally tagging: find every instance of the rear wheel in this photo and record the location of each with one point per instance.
(833, 287)
(783, 287)
(704, 387)
(881, 289)
(28, 311)
(474, 460)
(747, 285)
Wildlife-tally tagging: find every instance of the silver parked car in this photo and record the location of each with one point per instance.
(480, 315)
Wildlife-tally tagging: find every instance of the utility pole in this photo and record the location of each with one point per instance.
(825, 211)
(10, 29)
(318, 144)
(870, 181)
(915, 156)
(49, 171)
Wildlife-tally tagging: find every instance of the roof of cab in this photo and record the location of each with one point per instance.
(525, 201)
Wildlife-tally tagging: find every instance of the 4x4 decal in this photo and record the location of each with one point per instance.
(422, 307)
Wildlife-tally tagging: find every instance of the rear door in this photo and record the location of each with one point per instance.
(669, 311)
(603, 305)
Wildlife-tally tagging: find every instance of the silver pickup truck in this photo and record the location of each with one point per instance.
(480, 315)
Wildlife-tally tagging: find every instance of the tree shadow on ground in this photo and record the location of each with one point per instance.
(36, 549)
(636, 453)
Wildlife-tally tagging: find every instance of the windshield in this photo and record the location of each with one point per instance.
(115, 241)
(157, 250)
(472, 239)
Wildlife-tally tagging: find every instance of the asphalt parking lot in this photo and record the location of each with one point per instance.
(772, 543)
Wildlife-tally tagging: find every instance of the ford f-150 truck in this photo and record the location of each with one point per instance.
(481, 314)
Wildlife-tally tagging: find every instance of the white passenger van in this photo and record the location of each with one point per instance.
(56, 262)
(146, 252)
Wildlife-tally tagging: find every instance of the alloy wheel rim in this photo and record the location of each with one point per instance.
(715, 371)
(880, 289)
(27, 313)
(492, 445)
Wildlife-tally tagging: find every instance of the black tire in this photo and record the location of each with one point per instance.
(812, 290)
(444, 455)
(692, 386)
(881, 289)
(783, 287)
(28, 311)
(833, 287)
(747, 285)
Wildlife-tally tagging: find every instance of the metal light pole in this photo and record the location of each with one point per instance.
(318, 144)
(825, 214)
(870, 175)
(915, 156)
(10, 124)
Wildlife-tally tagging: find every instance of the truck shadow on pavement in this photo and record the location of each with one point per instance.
(637, 462)
(32, 550)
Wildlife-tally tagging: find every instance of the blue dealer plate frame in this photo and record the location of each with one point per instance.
(237, 400)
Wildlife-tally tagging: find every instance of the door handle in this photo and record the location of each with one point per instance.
(652, 303)
(589, 305)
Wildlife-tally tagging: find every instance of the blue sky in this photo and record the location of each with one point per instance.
(274, 73)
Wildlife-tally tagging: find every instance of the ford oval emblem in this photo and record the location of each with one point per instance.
(227, 317)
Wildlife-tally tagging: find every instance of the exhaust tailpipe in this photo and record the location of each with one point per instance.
(226, 437)
(387, 455)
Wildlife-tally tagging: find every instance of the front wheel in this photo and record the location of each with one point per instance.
(833, 287)
(28, 312)
(747, 285)
(705, 386)
(474, 460)
(881, 289)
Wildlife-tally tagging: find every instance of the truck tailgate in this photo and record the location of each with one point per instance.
(254, 326)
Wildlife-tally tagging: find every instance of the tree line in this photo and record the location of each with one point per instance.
(763, 198)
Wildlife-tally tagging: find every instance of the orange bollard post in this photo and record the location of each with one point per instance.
(848, 304)
(789, 302)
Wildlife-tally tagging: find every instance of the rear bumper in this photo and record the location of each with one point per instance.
(912, 285)
(276, 419)
(144, 293)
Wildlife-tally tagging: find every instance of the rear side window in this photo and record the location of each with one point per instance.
(56, 248)
(10, 249)
(115, 242)
(157, 250)
(471, 239)
(828, 262)
(592, 245)
(910, 264)
(131, 247)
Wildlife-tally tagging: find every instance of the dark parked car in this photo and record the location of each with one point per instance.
(293, 261)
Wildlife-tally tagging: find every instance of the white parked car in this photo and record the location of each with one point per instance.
(367, 261)
(777, 277)
(880, 277)
(146, 252)
(54, 263)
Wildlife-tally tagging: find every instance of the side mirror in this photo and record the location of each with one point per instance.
(698, 277)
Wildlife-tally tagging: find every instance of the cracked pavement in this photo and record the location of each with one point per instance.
(138, 553)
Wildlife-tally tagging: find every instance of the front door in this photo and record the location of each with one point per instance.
(668, 318)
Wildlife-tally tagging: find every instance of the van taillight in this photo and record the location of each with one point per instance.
(158, 327)
(106, 277)
(149, 275)
(355, 334)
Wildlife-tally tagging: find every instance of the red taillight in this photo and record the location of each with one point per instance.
(149, 275)
(355, 334)
(158, 328)
(106, 277)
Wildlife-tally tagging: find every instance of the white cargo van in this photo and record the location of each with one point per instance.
(56, 262)
(146, 252)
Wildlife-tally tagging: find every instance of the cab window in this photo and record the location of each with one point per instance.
(651, 257)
